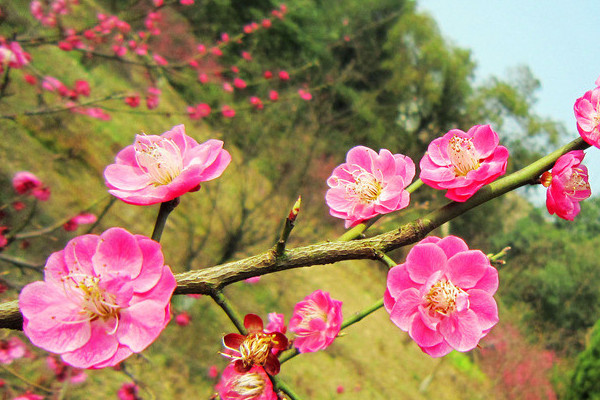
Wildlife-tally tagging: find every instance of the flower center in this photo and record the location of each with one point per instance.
(249, 386)
(442, 297)
(256, 347)
(160, 158)
(96, 302)
(463, 156)
(577, 182)
(365, 188)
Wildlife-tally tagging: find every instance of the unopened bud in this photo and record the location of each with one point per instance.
(295, 210)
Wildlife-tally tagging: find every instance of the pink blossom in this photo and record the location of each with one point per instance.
(24, 182)
(369, 184)
(215, 51)
(587, 114)
(62, 371)
(202, 77)
(12, 55)
(256, 102)
(316, 321)
(103, 298)
(186, 2)
(94, 112)
(276, 323)
(32, 80)
(52, 84)
(239, 83)
(11, 349)
(464, 162)
(80, 219)
(284, 76)
(152, 98)
(213, 371)
(246, 56)
(227, 111)
(273, 95)
(128, 391)
(252, 280)
(82, 87)
(18, 205)
(253, 384)
(160, 60)
(198, 111)
(158, 3)
(304, 95)
(340, 389)
(567, 185)
(442, 295)
(266, 23)
(133, 100)
(227, 87)
(3, 238)
(29, 396)
(183, 318)
(156, 169)
(41, 193)
(268, 74)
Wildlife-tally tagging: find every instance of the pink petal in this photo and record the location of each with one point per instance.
(141, 324)
(122, 353)
(398, 280)
(438, 350)
(362, 156)
(452, 245)
(152, 264)
(423, 260)
(98, 349)
(465, 269)
(461, 330)
(485, 307)
(489, 281)
(78, 254)
(118, 253)
(406, 308)
(484, 139)
(125, 177)
(424, 336)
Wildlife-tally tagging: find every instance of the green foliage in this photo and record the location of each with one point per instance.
(585, 381)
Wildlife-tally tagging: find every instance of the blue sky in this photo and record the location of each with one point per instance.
(558, 40)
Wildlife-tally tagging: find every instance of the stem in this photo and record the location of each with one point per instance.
(161, 219)
(287, 228)
(362, 314)
(220, 299)
(279, 384)
(102, 214)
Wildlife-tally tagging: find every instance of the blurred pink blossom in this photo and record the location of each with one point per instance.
(29, 396)
(284, 76)
(304, 95)
(369, 184)
(198, 111)
(587, 114)
(239, 83)
(252, 280)
(227, 111)
(128, 391)
(213, 371)
(253, 384)
(567, 185)
(28, 184)
(11, 349)
(80, 219)
(463, 162)
(273, 95)
(155, 169)
(103, 298)
(152, 98)
(442, 295)
(276, 323)
(183, 318)
(13, 56)
(316, 321)
(133, 100)
(62, 371)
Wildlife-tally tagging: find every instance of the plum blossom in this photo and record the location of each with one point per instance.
(11, 349)
(29, 396)
(227, 111)
(276, 323)
(103, 298)
(567, 185)
(369, 184)
(183, 318)
(156, 169)
(442, 295)
(26, 183)
(316, 321)
(80, 219)
(13, 56)
(464, 162)
(256, 347)
(128, 391)
(62, 371)
(213, 371)
(251, 385)
(587, 114)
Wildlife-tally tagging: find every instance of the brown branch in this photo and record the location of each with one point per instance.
(210, 280)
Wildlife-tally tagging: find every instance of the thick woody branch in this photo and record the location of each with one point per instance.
(209, 280)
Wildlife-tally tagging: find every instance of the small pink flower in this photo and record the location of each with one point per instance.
(239, 83)
(284, 76)
(186, 2)
(81, 219)
(276, 323)
(3, 238)
(567, 185)
(252, 280)
(29, 396)
(228, 87)
(133, 100)
(369, 184)
(340, 389)
(128, 391)
(256, 102)
(11, 349)
(463, 162)
(246, 56)
(268, 74)
(266, 23)
(12, 55)
(103, 298)
(316, 321)
(183, 318)
(152, 98)
(24, 182)
(227, 111)
(202, 77)
(62, 371)
(156, 169)
(273, 95)
(587, 114)
(255, 348)
(251, 385)
(198, 111)
(304, 95)
(442, 295)
(82, 88)
(160, 60)
(213, 371)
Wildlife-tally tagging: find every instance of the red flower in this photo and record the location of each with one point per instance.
(255, 347)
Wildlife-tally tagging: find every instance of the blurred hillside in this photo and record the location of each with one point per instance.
(380, 75)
